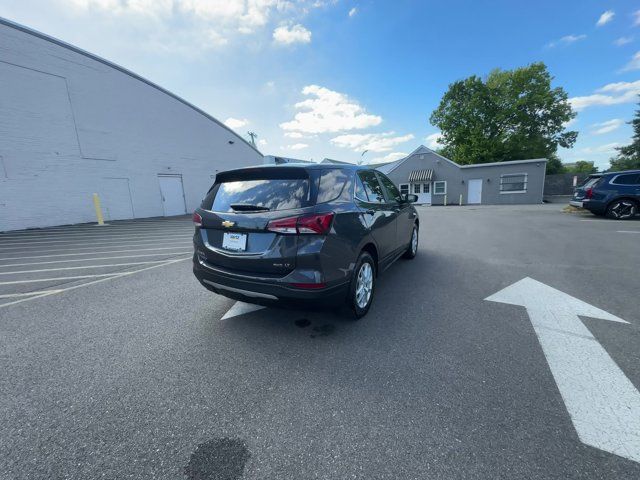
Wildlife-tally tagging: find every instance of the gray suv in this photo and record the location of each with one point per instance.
(302, 234)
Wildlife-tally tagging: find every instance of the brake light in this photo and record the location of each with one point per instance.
(197, 219)
(313, 224)
(588, 192)
(283, 225)
(319, 224)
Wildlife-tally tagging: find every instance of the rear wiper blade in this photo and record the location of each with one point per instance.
(247, 207)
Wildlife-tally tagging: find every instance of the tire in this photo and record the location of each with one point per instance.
(360, 300)
(622, 209)
(412, 249)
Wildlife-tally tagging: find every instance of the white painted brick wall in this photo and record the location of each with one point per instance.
(68, 122)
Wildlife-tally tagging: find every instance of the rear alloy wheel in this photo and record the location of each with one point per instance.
(412, 249)
(622, 209)
(362, 285)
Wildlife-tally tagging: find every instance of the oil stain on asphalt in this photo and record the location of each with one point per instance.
(302, 322)
(218, 459)
(321, 331)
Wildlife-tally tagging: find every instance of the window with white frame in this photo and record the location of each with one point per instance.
(513, 183)
(404, 188)
(416, 188)
(440, 187)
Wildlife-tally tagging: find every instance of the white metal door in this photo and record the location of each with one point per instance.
(474, 194)
(423, 190)
(172, 194)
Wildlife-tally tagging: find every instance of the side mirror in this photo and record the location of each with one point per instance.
(410, 197)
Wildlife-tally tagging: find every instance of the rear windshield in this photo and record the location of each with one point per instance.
(251, 195)
(590, 182)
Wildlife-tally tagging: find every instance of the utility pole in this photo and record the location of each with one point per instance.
(253, 136)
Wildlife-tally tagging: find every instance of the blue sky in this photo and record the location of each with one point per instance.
(331, 78)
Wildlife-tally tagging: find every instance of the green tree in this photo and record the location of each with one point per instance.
(582, 167)
(512, 115)
(628, 157)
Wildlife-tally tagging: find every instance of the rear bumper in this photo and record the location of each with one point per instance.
(267, 292)
(594, 206)
(576, 203)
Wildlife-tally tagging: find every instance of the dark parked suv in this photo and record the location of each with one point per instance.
(614, 194)
(302, 234)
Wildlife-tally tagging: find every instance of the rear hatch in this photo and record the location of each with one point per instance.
(581, 191)
(236, 211)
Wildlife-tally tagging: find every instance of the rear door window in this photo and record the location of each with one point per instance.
(627, 179)
(256, 194)
(375, 194)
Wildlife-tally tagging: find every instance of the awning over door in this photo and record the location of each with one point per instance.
(421, 175)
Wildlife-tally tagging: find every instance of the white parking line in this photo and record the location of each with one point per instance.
(99, 234)
(132, 244)
(28, 294)
(628, 231)
(91, 253)
(84, 241)
(82, 267)
(93, 258)
(55, 279)
(96, 227)
(86, 284)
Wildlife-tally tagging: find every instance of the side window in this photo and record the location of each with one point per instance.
(628, 179)
(360, 192)
(392, 190)
(372, 186)
(332, 181)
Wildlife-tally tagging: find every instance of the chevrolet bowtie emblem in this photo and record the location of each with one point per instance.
(228, 224)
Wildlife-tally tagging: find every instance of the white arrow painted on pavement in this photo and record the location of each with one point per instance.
(240, 308)
(603, 404)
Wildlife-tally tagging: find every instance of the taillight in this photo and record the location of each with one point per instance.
(313, 224)
(319, 224)
(283, 225)
(588, 192)
(197, 219)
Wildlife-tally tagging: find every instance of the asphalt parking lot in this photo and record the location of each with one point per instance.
(500, 351)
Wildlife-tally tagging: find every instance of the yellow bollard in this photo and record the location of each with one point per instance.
(460, 199)
(96, 204)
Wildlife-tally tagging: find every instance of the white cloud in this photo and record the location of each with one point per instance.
(610, 94)
(391, 157)
(633, 64)
(619, 42)
(374, 142)
(353, 12)
(262, 142)
(296, 146)
(295, 135)
(236, 122)
(290, 35)
(190, 27)
(636, 16)
(328, 111)
(601, 149)
(605, 18)
(566, 40)
(433, 140)
(608, 126)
